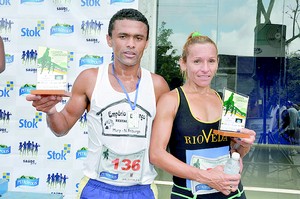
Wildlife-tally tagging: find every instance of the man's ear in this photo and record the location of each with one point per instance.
(147, 44)
(109, 40)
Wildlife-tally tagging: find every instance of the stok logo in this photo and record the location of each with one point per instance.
(33, 32)
(6, 176)
(70, 58)
(90, 3)
(61, 155)
(9, 87)
(4, 2)
(31, 124)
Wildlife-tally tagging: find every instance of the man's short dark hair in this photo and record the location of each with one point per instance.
(130, 14)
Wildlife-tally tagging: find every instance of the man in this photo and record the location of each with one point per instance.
(121, 103)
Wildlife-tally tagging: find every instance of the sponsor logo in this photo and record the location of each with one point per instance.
(70, 56)
(55, 180)
(28, 181)
(91, 27)
(64, 9)
(29, 57)
(29, 148)
(81, 153)
(4, 149)
(61, 29)
(121, 1)
(5, 24)
(5, 3)
(31, 1)
(90, 3)
(24, 90)
(9, 58)
(83, 120)
(59, 155)
(31, 123)
(91, 60)
(5, 92)
(33, 32)
(5, 116)
(6, 176)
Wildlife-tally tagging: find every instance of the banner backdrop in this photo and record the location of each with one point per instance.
(31, 157)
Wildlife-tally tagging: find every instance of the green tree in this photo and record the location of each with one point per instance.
(293, 59)
(293, 77)
(167, 60)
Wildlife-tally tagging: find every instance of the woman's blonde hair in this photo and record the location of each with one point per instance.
(194, 38)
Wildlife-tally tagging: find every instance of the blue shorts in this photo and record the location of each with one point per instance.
(94, 189)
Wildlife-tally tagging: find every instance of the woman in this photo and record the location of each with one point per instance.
(184, 122)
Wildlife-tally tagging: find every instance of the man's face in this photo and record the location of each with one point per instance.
(129, 39)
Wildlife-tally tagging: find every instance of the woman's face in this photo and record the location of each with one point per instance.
(201, 64)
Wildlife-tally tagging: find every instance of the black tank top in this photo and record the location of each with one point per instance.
(189, 133)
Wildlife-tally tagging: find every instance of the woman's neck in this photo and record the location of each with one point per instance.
(193, 88)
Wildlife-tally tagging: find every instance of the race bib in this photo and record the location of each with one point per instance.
(119, 167)
(205, 164)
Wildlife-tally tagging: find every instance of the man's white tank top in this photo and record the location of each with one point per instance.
(118, 137)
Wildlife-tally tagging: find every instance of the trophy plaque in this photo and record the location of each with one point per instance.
(234, 114)
(52, 66)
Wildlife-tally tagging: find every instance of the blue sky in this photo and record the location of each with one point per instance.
(230, 23)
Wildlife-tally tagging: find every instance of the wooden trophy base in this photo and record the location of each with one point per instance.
(51, 92)
(231, 134)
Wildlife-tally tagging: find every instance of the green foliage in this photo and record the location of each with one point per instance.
(293, 78)
(167, 60)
